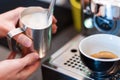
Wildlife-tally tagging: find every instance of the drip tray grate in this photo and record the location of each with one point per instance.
(76, 63)
(68, 59)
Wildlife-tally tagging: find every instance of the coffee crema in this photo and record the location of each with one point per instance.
(104, 55)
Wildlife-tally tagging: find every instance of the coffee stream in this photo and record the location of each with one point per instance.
(104, 55)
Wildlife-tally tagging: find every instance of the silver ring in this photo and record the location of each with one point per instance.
(12, 45)
(14, 32)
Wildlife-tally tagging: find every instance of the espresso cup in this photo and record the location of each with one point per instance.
(97, 44)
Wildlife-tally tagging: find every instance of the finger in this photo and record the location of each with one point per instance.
(54, 20)
(54, 28)
(29, 59)
(29, 70)
(12, 55)
(17, 65)
(20, 64)
(23, 40)
(31, 63)
(20, 9)
(25, 50)
(20, 67)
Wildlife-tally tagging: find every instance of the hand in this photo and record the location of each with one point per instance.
(9, 20)
(19, 69)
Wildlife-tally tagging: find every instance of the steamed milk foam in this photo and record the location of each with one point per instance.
(36, 20)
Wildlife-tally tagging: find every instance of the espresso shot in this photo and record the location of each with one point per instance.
(104, 55)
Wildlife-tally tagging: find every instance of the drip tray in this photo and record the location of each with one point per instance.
(67, 61)
(68, 58)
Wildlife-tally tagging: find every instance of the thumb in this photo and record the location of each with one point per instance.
(17, 65)
(30, 59)
(31, 63)
(26, 61)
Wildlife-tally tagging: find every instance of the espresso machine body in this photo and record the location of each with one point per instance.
(101, 16)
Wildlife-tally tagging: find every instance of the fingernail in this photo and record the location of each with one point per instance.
(36, 56)
(28, 43)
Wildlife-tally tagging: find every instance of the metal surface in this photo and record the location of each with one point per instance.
(101, 15)
(67, 61)
(40, 34)
(106, 8)
(51, 8)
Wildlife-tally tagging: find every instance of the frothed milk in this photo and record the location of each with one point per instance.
(37, 26)
(37, 20)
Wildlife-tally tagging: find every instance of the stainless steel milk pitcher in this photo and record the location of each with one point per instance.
(36, 25)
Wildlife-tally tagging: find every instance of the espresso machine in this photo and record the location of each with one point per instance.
(98, 16)
(101, 16)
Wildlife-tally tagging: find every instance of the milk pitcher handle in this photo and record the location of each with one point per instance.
(11, 42)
